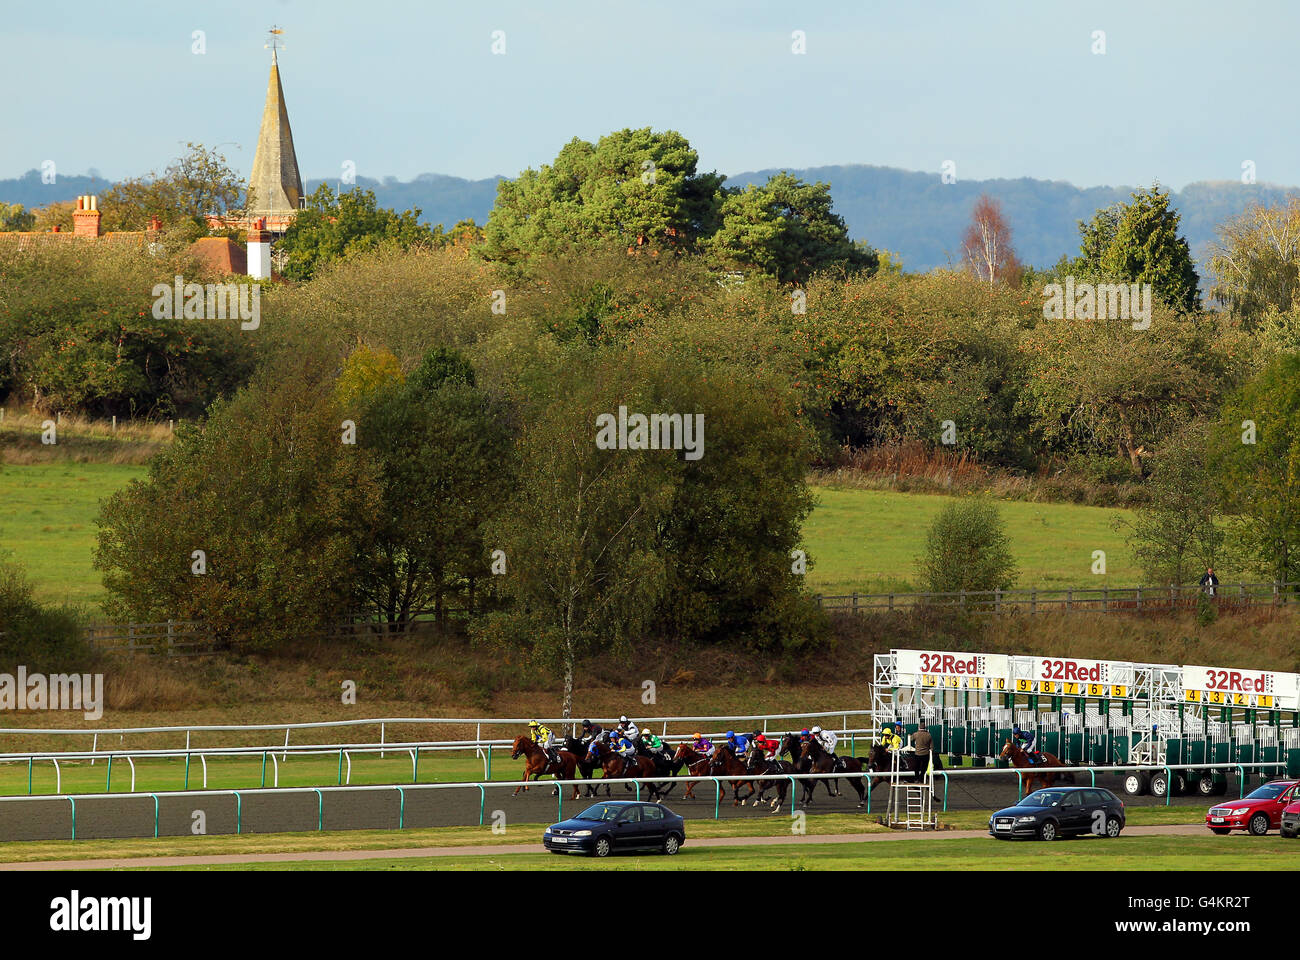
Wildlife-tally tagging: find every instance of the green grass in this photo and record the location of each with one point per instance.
(863, 540)
(47, 514)
(912, 854)
(869, 540)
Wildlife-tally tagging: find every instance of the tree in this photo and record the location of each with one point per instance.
(193, 187)
(31, 632)
(986, 245)
(252, 522)
(786, 230)
(632, 188)
(331, 226)
(1179, 532)
(1257, 463)
(1256, 261)
(578, 537)
(966, 548)
(443, 450)
(14, 217)
(1099, 386)
(1138, 242)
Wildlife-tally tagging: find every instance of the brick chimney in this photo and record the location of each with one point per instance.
(85, 219)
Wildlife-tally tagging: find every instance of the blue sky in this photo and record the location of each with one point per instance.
(1185, 91)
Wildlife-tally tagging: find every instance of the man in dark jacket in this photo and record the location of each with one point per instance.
(922, 748)
(1209, 582)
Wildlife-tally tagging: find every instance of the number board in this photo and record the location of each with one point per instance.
(1071, 677)
(952, 671)
(1219, 687)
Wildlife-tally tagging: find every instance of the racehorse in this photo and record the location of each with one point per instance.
(1020, 760)
(726, 763)
(615, 766)
(759, 762)
(538, 763)
(823, 762)
(792, 745)
(586, 766)
(697, 765)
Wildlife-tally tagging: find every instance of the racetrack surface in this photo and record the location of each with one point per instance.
(380, 807)
(324, 856)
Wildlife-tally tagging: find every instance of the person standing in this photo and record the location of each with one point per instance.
(922, 752)
(1209, 582)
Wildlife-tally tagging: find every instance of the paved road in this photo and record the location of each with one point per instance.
(317, 856)
(50, 818)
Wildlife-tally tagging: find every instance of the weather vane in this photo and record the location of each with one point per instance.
(274, 40)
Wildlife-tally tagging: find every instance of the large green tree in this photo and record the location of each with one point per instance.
(785, 229)
(252, 522)
(635, 188)
(331, 226)
(193, 186)
(1257, 463)
(443, 450)
(1138, 242)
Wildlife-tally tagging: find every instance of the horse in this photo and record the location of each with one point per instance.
(697, 765)
(823, 762)
(1038, 771)
(538, 763)
(615, 766)
(759, 762)
(586, 767)
(792, 745)
(726, 763)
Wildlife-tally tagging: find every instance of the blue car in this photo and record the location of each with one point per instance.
(603, 828)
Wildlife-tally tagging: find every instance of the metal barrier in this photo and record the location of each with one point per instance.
(482, 787)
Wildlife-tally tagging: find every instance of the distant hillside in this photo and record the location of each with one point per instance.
(922, 218)
(913, 214)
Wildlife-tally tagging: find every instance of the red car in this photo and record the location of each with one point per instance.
(1291, 820)
(1258, 812)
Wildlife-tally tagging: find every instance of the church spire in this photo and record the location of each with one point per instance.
(275, 187)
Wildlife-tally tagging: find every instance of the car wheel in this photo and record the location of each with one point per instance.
(1220, 786)
(1048, 831)
(1181, 784)
(671, 844)
(1135, 784)
(602, 847)
(1259, 824)
(1159, 784)
(1205, 785)
(1221, 831)
(1113, 827)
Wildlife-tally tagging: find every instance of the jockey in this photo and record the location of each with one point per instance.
(1024, 739)
(769, 747)
(543, 738)
(738, 742)
(704, 746)
(590, 732)
(826, 738)
(624, 746)
(889, 739)
(805, 735)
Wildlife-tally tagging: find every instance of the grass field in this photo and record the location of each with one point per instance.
(868, 541)
(47, 514)
(912, 854)
(863, 540)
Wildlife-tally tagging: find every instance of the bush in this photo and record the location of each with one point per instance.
(966, 548)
